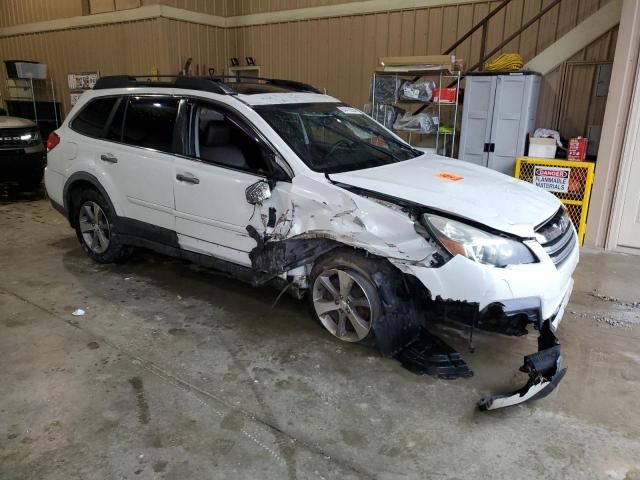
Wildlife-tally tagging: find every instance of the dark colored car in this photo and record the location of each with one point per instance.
(22, 153)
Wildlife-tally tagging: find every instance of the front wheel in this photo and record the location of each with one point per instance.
(343, 296)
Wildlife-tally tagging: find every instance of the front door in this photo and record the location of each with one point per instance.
(222, 159)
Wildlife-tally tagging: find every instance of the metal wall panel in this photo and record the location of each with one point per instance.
(123, 48)
(210, 7)
(18, 12)
(332, 53)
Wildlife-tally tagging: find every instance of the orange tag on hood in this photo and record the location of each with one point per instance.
(449, 176)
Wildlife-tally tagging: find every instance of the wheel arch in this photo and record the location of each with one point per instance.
(78, 182)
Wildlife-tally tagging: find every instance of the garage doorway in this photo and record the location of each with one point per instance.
(625, 231)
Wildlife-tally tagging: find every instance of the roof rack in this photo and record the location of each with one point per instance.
(215, 84)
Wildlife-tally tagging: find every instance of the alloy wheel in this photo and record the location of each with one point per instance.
(94, 227)
(345, 304)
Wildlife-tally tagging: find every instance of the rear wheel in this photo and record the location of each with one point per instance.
(343, 296)
(96, 231)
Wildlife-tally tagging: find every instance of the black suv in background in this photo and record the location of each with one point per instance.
(22, 153)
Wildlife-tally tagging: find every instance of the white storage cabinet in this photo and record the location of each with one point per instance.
(499, 111)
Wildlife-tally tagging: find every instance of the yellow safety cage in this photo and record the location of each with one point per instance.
(580, 180)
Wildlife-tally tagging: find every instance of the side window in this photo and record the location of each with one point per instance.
(149, 122)
(114, 131)
(92, 119)
(219, 138)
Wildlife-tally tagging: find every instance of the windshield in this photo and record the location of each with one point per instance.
(332, 138)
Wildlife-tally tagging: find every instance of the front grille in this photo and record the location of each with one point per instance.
(557, 237)
(10, 138)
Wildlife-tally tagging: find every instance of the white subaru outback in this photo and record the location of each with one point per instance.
(271, 181)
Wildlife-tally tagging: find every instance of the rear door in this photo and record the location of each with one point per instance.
(138, 158)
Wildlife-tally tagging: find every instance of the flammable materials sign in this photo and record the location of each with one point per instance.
(553, 179)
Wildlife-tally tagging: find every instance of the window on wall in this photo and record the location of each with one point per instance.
(150, 122)
(92, 119)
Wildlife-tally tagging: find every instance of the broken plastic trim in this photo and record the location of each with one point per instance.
(544, 372)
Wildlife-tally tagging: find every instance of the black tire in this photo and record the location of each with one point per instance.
(31, 180)
(361, 268)
(114, 251)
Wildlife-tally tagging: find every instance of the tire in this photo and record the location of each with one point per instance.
(31, 180)
(96, 229)
(343, 296)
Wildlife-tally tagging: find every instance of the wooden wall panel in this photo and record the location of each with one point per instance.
(18, 12)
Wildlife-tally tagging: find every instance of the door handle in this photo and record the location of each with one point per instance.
(107, 157)
(187, 177)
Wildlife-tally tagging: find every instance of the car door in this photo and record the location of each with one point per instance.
(223, 156)
(138, 158)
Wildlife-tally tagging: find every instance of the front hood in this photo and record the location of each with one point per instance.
(481, 195)
(15, 122)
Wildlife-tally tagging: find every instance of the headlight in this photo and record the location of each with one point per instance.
(477, 245)
(32, 137)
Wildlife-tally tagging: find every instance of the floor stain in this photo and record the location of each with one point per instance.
(159, 466)
(93, 345)
(143, 406)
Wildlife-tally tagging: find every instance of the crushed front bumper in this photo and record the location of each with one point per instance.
(544, 369)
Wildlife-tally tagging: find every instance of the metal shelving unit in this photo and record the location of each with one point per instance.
(444, 140)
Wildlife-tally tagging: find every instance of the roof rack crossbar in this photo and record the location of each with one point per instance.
(222, 84)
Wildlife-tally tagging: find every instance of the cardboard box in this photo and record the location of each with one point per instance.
(444, 95)
(542, 147)
(418, 63)
(577, 149)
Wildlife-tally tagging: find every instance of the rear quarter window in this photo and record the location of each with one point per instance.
(92, 119)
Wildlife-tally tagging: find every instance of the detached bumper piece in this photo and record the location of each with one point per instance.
(428, 355)
(544, 369)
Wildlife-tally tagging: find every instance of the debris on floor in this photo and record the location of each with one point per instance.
(429, 355)
(78, 312)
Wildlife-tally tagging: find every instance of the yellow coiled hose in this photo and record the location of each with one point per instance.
(507, 62)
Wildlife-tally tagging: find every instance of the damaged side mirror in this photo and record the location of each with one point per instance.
(257, 192)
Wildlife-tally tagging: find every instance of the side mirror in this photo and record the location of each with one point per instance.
(257, 192)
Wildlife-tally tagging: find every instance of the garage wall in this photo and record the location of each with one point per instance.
(210, 7)
(18, 12)
(133, 47)
(340, 53)
(246, 7)
(580, 108)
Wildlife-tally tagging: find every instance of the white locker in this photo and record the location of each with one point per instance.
(499, 111)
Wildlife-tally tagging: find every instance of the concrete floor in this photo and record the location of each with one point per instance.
(176, 373)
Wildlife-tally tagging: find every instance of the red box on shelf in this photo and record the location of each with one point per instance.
(577, 149)
(444, 95)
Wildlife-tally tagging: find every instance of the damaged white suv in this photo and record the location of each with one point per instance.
(273, 182)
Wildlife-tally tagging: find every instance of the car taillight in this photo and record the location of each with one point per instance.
(52, 141)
